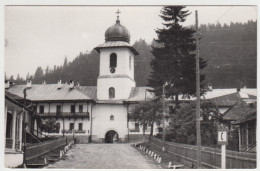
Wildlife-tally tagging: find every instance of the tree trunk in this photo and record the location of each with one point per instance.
(176, 100)
(143, 132)
(151, 133)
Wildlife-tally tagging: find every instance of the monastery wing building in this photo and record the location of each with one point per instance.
(97, 114)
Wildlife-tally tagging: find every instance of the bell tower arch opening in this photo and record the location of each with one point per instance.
(111, 137)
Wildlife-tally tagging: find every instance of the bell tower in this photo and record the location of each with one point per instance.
(116, 74)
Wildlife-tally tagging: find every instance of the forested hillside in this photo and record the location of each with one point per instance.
(230, 51)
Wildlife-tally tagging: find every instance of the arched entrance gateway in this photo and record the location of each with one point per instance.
(111, 136)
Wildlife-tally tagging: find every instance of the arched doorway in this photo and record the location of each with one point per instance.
(111, 136)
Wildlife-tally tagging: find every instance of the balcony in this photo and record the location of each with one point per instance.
(75, 131)
(64, 115)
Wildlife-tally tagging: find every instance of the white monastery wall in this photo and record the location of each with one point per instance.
(102, 123)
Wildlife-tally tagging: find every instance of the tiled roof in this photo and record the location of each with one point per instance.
(239, 111)
(227, 100)
(244, 93)
(13, 96)
(112, 44)
(49, 92)
(248, 117)
(90, 91)
(140, 94)
(13, 99)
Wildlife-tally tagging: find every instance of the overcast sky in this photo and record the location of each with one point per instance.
(44, 35)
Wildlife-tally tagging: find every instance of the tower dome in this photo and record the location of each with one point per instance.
(117, 32)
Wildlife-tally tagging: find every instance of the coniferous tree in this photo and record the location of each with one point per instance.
(174, 62)
(39, 75)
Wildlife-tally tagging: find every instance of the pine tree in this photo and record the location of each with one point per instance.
(39, 75)
(174, 61)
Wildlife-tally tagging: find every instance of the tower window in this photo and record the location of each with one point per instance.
(130, 62)
(111, 92)
(113, 60)
(112, 117)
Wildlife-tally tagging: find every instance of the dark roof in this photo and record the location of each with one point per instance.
(117, 44)
(248, 117)
(50, 92)
(13, 99)
(239, 111)
(117, 32)
(13, 96)
(227, 100)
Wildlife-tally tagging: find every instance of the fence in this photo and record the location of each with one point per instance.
(38, 149)
(210, 157)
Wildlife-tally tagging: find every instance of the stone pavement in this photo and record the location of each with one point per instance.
(104, 156)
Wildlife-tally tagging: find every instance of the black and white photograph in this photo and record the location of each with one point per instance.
(171, 86)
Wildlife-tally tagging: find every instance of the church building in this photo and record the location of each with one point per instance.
(89, 113)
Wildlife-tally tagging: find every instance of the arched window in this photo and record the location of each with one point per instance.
(111, 92)
(130, 62)
(113, 60)
(111, 117)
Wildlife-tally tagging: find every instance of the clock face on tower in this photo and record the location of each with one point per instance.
(112, 70)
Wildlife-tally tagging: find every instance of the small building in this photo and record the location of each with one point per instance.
(246, 123)
(15, 114)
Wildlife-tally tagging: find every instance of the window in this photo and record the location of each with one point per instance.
(113, 60)
(58, 109)
(130, 62)
(72, 108)
(80, 108)
(58, 127)
(80, 126)
(137, 127)
(71, 126)
(112, 117)
(111, 92)
(41, 109)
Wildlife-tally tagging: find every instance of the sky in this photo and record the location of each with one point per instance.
(45, 35)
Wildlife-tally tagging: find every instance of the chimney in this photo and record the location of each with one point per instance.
(71, 84)
(7, 84)
(209, 86)
(59, 84)
(29, 84)
(43, 82)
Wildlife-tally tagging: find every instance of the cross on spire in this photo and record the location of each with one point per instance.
(118, 12)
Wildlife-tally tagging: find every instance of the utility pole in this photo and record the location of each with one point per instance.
(163, 101)
(198, 95)
(24, 127)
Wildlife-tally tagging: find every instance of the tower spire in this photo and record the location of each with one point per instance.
(118, 12)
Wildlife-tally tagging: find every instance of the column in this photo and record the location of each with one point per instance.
(247, 135)
(5, 120)
(21, 131)
(239, 138)
(13, 128)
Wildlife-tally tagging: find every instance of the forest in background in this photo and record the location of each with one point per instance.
(230, 52)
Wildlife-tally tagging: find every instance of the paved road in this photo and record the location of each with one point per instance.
(104, 156)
